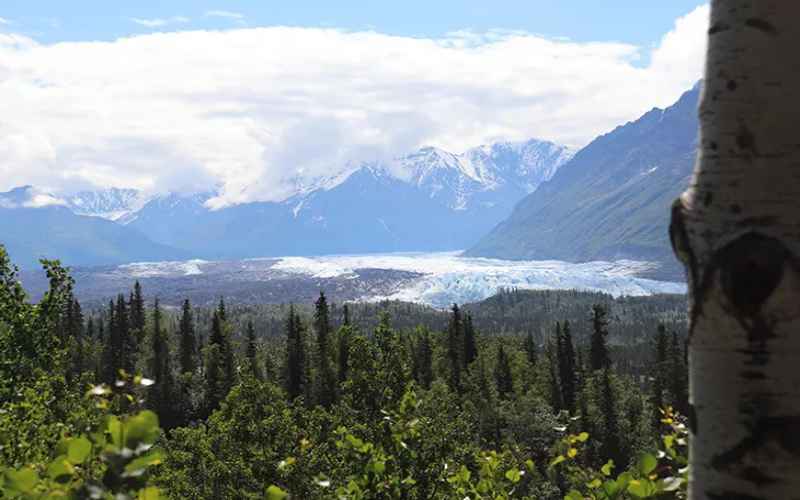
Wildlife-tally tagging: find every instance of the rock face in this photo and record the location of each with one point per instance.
(611, 200)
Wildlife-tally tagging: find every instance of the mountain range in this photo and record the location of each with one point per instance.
(427, 200)
(611, 200)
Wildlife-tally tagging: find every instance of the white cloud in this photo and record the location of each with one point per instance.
(254, 111)
(225, 13)
(159, 22)
(4, 21)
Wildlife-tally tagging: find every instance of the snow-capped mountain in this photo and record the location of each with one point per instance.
(428, 200)
(112, 204)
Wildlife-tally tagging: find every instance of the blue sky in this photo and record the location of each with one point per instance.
(641, 22)
(255, 97)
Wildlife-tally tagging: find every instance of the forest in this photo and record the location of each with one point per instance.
(528, 394)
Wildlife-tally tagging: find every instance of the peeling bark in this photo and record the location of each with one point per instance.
(737, 230)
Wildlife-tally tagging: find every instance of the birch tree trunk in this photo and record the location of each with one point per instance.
(737, 230)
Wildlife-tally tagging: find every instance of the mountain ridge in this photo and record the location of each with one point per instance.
(611, 200)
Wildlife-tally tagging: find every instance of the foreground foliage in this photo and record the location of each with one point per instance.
(326, 412)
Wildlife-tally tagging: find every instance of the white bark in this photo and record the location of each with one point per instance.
(737, 229)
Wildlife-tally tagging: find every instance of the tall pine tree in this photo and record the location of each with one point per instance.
(325, 383)
(455, 346)
(295, 356)
(502, 373)
(598, 355)
(252, 352)
(188, 341)
(470, 341)
(162, 395)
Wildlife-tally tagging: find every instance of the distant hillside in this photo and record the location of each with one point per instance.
(611, 201)
(30, 232)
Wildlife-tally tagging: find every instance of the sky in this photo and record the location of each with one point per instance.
(250, 97)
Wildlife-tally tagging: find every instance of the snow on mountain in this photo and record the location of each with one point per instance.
(112, 204)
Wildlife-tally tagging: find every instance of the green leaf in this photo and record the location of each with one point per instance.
(594, 484)
(557, 460)
(638, 488)
(513, 475)
(138, 465)
(149, 493)
(647, 463)
(275, 493)
(583, 436)
(59, 468)
(141, 428)
(23, 480)
(78, 450)
(574, 495)
(607, 468)
(115, 430)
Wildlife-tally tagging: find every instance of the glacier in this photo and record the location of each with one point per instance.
(447, 277)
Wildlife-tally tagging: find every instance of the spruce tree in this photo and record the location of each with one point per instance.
(554, 386)
(346, 316)
(188, 347)
(502, 373)
(162, 396)
(566, 367)
(423, 360)
(611, 447)
(678, 375)
(598, 355)
(658, 374)
(295, 356)
(220, 367)
(470, 344)
(455, 344)
(325, 383)
(252, 351)
(137, 313)
(343, 349)
(530, 348)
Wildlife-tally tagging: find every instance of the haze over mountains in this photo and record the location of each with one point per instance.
(427, 200)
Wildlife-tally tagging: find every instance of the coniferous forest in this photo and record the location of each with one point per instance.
(525, 395)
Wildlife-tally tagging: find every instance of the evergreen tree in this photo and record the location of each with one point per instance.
(188, 347)
(530, 348)
(611, 447)
(455, 343)
(346, 314)
(252, 351)
(658, 374)
(423, 360)
(554, 385)
(384, 333)
(502, 373)
(220, 367)
(295, 356)
(137, 308)
(110, 363)
(566, 367)
(678, 376)
(223, 315)
(470, 345)
(325, 386)
(162, 396)
(598, 356)
(73, 324)
(343, 348)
